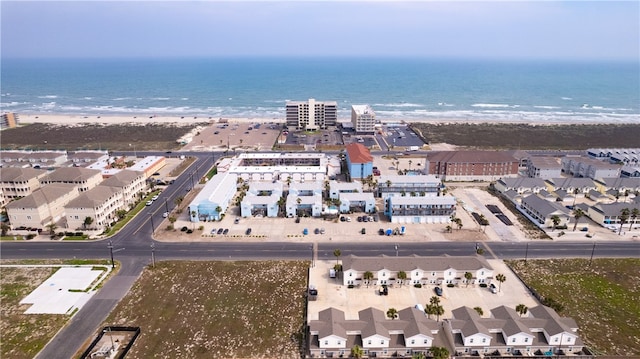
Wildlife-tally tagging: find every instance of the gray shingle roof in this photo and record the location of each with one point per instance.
(43, 195)
(17, 174)
(122, 178)
(414, 262)
(74, 174)
(93, 197)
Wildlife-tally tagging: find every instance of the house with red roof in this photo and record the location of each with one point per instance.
(359, 161)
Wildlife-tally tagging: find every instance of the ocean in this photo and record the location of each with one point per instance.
(396, 89)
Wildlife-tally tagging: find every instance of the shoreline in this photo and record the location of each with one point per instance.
(113, 119)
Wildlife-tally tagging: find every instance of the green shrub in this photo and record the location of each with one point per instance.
(417, 285)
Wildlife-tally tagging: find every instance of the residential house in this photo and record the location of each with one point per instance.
(33, 159)
(542, 211)
(42, 207)
(336, 188)
(420, 270)
(262, 199)
(304, 206)
(357, 202)
(630, 171)
(100, 203)
(20, 182)
(609, 215)
(521, 185)
(412, 332)
(542, 333)
(359, 161)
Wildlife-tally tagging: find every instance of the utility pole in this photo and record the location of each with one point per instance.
(526, 253)
(396, 249)
(110, 246)
(166, 206)
(592, 251)
(153, 229)
(153, 255)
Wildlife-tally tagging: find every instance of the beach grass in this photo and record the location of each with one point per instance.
(602, 296)
(217, 310)
(514, 136)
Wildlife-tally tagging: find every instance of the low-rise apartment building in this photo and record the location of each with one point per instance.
(336, 188)
(419, 270)
(428, 209)
(421, 185)
(42, 207)
(579, 166)
(472, 165)
(359, 161)
(130, 182)
(262, 199)
(542, 211)
(84, 178)
(100, 204)
(544, 167)
(214, 199)
(20, 182)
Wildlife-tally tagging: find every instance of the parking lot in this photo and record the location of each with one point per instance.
(331, 293)
(237, 135)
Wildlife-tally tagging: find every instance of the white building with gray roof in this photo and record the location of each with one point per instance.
(420, 270)
(426, 209)
(20, 182)
(100, 204)
(541, 211)
(84, 178)
(214, 199)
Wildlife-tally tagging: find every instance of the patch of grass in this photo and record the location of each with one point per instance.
(216, 310)
(531, 137)
(603, 298)
(11, 238)
(177, 171)
(152, 136)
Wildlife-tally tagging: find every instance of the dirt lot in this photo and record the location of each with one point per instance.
(216, 310)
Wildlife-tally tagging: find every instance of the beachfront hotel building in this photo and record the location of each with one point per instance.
(311, 115)
(8, 120)
(363, 118)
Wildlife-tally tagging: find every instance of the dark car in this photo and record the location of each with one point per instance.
(343, 219)
(438, 291)
(226, 230)
(220, 230)
(248, 232)
(297, 219)
(381, 232)
(363, 231)
(316, 231)
(359, 219)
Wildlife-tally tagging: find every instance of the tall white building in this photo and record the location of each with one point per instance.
(312, 114)
(363, 118)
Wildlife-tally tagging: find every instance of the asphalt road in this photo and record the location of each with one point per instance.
(132, 247)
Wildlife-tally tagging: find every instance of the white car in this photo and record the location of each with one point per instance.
(149, 203)
(165, 215)
(154, 197)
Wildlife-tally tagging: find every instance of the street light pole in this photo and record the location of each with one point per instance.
(312, 261)
(526, 253)
(396, 249)
(592, 251)
(166, 206)
(153, 255)
(110, 246)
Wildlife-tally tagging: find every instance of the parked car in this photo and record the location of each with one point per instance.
(226, 230)
(363, 231)
(236, 221)
(154, 197)
(165, 215)
(248, 232)
(149, 203)
(381, 232)
(213, 231)
(493, 288)
(438, 291)
(343, 219)
(220, 230)
(321, 230)
(316, 231)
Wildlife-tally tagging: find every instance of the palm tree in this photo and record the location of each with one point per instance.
(439, 352)
(624, 216)
(575, 194)
(337, 253)
(87, 222)
(392, 313)
(178, 200)
(357, 352)
(434, 300)
(521, 309)
(468, 276)
(634, 214)
(52, 228)
(121, 213)
(478, 310)
(449, 228)
(4, 228)
(402, 275)
(556, 221)
(419, 355)
(577, 214)
(459, 223)
(438, 310)
(368, 276)
(410, 162)
(501, 279)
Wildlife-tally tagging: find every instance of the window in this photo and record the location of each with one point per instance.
(369, 342)
(471, 340)
(556, 340)
(513, 340)
(484, 340)
(426, 341)
(413, 341)
(526, 340)
(326, 342)
(382, 341)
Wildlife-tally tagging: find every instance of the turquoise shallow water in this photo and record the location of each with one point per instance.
(412, 89)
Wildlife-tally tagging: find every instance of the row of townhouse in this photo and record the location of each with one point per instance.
(70, 202)
(418, 269)
(466, 334)
(542, 200)
(49, 159)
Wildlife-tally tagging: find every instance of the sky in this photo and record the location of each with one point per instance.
(567, 30)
